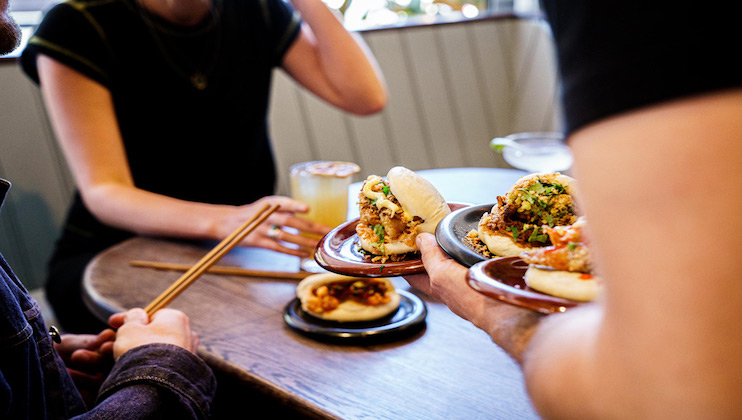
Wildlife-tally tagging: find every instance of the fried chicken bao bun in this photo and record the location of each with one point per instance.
(335, 297)
(564, 269)
(395, 210)
(514, 224)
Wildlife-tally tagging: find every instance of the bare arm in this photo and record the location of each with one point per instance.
(660, 188)
(666, 232)
(334, 64)
(81, 112)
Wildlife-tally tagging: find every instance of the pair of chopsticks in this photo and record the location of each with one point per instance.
(232, 271)
(209, 260)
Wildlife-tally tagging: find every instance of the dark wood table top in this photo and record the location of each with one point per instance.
(448, 370)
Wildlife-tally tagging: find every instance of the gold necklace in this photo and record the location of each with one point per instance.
(199, 78)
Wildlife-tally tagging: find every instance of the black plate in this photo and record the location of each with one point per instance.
(452, 230)
(407, 320)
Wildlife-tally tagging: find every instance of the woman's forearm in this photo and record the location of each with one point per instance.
(344, 61)
(147, 213)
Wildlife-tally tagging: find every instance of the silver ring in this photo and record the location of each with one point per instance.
(273, 232)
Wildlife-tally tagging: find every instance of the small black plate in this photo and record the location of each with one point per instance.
(407, 320)
(452, 230)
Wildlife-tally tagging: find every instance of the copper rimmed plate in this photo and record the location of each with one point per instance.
(339, 252)
(502, 279)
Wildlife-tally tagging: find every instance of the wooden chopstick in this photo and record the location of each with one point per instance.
(209, 260)
(234, 271)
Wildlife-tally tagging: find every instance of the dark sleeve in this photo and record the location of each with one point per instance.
(71, 36)
(157, 380)
(617, 56)
(283, 24)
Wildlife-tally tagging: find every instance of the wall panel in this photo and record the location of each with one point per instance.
(42, 185)
(434, 100)
(404, 132)
(534, 108)
(287, 123)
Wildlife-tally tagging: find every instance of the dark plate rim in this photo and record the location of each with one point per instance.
(452, 229)
(383, 329)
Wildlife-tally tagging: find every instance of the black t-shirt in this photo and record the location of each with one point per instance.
(209, 145)
(619, 55)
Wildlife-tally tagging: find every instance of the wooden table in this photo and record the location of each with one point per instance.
(449, 370)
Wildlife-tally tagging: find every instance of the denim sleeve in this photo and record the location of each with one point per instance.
(155, 380)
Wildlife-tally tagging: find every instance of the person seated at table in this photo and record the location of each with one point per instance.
(149, 371)
(161, 110)
(653, 100)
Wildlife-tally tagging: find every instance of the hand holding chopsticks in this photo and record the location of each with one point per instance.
(209, 259)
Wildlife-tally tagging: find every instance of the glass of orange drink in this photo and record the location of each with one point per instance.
(323, 186)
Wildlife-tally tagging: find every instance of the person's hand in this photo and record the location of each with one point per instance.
(445, 279)
(135, 328)
(85, 349)
(88, 359)
(282, 231)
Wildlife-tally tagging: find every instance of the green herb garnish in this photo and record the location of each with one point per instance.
(514, 231)
(549, 220)
(537, 187)
(379, 232)
(545, 188)
(528, 196)
(535, 236)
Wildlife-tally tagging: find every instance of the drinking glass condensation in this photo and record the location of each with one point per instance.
(323, 186)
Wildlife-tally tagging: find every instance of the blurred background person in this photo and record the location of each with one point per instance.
(10, 32)
(161, 110)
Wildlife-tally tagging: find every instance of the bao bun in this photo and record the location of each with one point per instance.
(502, 244)
(499, 244)
(390, 248)
(563, 284)
(568, 182)
(347, 311)
(418, 197)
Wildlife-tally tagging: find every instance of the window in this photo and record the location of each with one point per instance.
(356, 14)
(367, 14)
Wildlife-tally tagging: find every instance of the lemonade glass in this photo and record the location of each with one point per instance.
(323, 186)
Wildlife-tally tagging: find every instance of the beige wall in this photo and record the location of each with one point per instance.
(453, 87)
